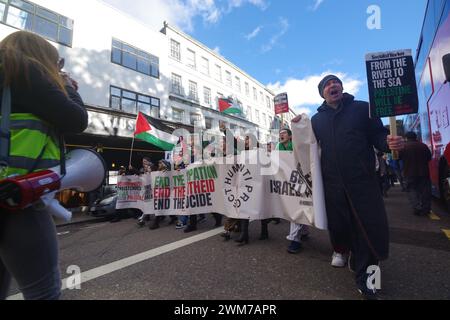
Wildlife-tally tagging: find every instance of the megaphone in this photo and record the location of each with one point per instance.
(86, 171)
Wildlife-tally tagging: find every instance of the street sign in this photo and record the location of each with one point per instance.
(392, 84)
(281, 103)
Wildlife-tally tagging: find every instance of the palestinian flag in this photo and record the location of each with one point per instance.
(228, 106)
(153, 131)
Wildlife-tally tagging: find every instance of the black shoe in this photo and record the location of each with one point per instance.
(190, 228)
(295, 247)
(141, 224)
(304, 237)
(241, 242)
(226, 236)
(368, 294)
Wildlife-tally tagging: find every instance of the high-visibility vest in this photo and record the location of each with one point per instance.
(34, 146)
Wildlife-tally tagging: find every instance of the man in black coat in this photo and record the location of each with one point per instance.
(416, 156)
(357, 220)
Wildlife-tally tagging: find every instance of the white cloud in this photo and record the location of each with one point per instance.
(283, 27)
(254, 33)
(180, 12)
(316, 5)
(217, 50)
(303, 93)
(261, 4)
(303, 110)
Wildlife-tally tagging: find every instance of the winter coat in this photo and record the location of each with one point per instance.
(347, 137)
(416, 156)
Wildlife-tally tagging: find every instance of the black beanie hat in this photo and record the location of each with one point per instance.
(324, 82)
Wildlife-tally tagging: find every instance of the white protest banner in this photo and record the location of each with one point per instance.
(134, 192)
(307, 154)
(240, 186)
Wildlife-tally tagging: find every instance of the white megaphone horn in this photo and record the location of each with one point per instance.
(85, 172)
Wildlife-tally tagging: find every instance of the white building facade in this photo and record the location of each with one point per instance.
(199, 77)
(123, 67)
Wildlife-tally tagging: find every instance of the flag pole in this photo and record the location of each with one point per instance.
(131, 152)
(134, 137)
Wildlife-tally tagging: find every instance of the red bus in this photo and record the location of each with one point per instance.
(432, 122)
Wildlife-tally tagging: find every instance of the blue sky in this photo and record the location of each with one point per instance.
(290, 44)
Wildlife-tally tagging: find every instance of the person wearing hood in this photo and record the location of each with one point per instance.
(357, 220)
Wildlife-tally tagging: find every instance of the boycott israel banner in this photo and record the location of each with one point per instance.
(252, 185)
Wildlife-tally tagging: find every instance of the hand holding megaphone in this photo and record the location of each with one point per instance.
(86, 172)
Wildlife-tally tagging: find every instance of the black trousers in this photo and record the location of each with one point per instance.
(29, 253)
(347, 235)
(419, 193)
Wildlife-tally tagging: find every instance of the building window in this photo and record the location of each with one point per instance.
(264, 119)
(247, 90)
(228, 80)
(195, 118)
(134, 58)
(175, 50)
(31, 17)
(133, 102)
(270, 122)
(207, 95)
(238, 84)
(261, 97)
(193, 92)
(249, 113)
(255, 94)
(190, 59)
(268, 102)
(257, 116)
(176, 84)
(218, 73)
(208, 123)
(177, 115)
(205, 66)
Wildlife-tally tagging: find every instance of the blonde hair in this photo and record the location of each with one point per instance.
(21, 50)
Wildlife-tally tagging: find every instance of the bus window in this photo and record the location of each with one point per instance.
(426, 83)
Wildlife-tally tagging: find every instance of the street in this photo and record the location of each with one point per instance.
(122, 261)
